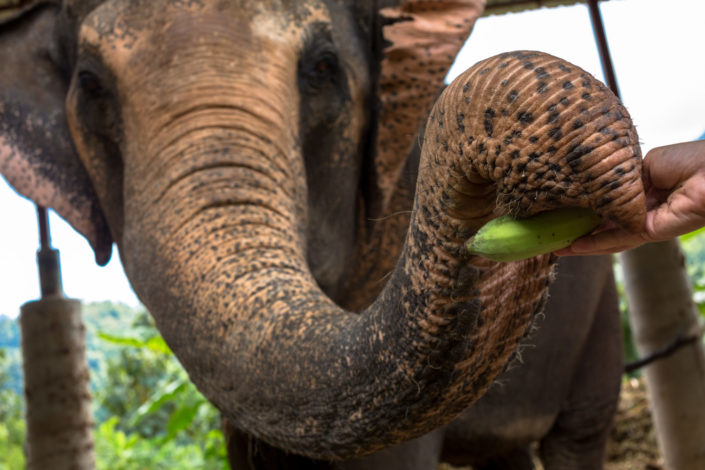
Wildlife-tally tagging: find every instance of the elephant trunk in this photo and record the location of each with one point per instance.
(540, 133)
(240, 309)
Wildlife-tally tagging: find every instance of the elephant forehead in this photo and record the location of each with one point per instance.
(124, 18)
(124, 25)
(127, 32)
(291, 25)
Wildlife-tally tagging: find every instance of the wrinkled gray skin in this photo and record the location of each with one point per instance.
(563, 394)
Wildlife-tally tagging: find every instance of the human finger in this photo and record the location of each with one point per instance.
(682, 212)
(607, 241)
(668, 166)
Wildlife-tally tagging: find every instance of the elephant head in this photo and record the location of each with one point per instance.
(233, 151)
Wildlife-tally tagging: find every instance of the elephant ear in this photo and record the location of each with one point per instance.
(421, 41)
(37, 156)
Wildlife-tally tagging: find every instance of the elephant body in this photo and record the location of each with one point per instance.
(291, 189)
(564, 390)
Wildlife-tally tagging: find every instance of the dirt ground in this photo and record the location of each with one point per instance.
(632, 444)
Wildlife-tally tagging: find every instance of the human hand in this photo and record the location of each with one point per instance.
(674, 182)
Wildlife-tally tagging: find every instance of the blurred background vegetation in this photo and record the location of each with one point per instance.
(148, 415)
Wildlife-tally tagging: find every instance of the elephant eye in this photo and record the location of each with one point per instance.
(320, 71)
(325, 68)
(90, 83)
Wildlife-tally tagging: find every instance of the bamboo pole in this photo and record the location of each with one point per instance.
(56, 376)
(661, 309)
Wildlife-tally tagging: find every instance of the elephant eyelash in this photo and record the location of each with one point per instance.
(91, 77)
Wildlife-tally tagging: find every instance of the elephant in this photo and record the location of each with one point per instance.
(291, 186)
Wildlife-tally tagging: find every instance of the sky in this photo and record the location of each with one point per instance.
(657, 54)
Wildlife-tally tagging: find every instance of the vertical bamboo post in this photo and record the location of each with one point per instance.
(56, 377)
(661, 309)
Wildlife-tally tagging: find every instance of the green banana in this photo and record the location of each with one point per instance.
(508, 239)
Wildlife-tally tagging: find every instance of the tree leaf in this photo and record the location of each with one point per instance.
(180, 420)
(690, 235)
(123, 341)
(165, 394)
(155, 343)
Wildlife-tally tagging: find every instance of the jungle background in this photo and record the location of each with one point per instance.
(148, 415)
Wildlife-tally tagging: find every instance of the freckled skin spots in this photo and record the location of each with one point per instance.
(461, 123)
(525, 117)
(489, 116)
(549, 144)
(541, 73)
(555, 133)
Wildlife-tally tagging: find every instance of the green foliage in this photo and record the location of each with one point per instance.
(12, 427)
(117, 450)
(149, 415)
(154, 417)
(102, 317)
(629, 349)
(693, 245)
